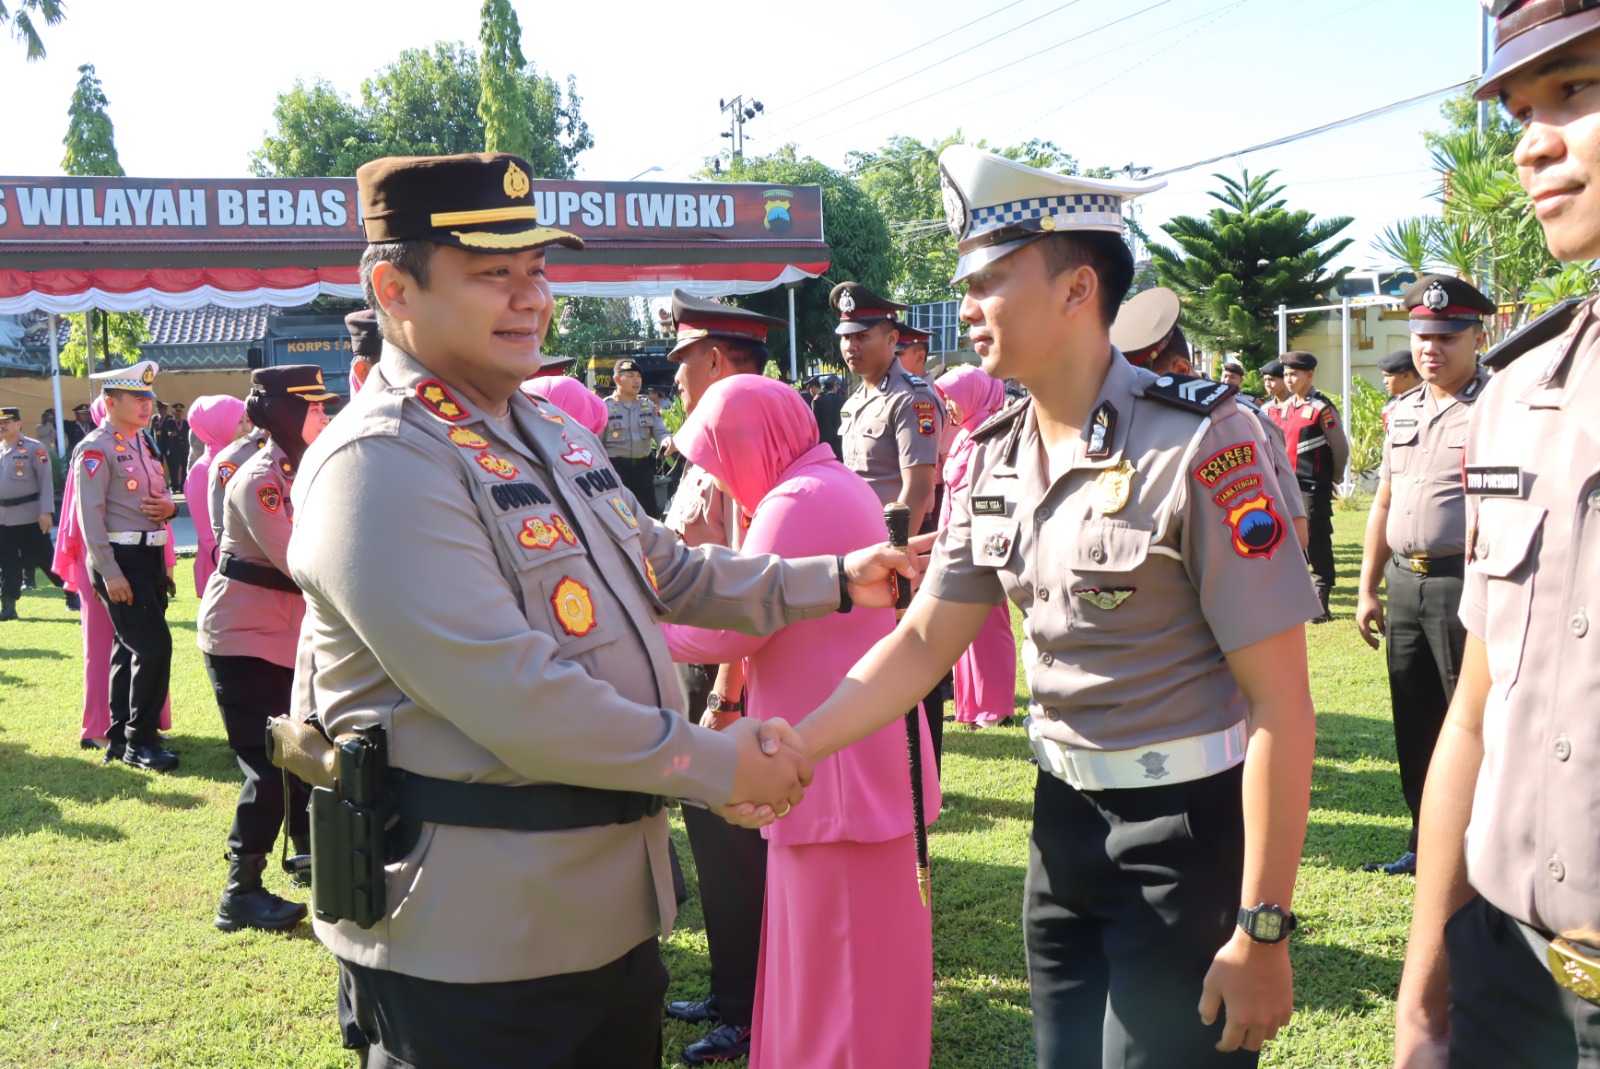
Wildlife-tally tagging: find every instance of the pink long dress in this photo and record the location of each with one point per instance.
(846, 971)
(986, 674)
(72, 564)
(214, 419)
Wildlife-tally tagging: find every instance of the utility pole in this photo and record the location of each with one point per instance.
(1134, 171)
(741, 115)
(1483, 65)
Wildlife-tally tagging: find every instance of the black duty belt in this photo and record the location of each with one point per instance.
(1451, 567)
(263, 575)
(8, 502)
(541, 807)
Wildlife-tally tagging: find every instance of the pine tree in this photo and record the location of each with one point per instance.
(504, 103)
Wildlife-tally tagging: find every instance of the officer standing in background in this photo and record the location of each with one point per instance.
(912, 351)
(1272, 382)
(503, 642)
(1509, 855)
(1319, 449)
(223, 468)
(829, 409)
(634, 428)
(1399, 370)
(27, 510)
(716, 341)
(123, 507)
(1172, 716)
(1417, 530)
(1233, 375)
(366, 345)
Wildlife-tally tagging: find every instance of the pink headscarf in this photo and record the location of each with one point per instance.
(97, 410)
(749, 431)
(214, 418)
(573, 398)
(977, 394)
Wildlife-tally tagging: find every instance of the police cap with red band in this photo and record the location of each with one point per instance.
(860, 309)
(1440, 304)
(695, 317)
(1526, 31)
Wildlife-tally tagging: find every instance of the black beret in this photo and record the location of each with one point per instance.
(624, 365)
(1398, 361)
(478, 202)
(1299, 360)
(1273, 368)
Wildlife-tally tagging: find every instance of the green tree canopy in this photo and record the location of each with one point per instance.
(503, 100)
(22, 26)
(1237, 264)
(862, 251)
(426, 102)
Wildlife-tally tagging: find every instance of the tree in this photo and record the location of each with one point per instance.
(862, 251)
(1241, 261)
(579, 322)
(503, 102)
(427, 102)
(22, 27)
(119, 338)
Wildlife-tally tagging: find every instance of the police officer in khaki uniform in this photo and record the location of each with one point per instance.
(1509, 856)
(366, 345)
(716, 341)
(634, 428)
(1399, 371)
(123, 507)
(27, 510)
(481, 586)
(223, 468)
(1417, 530)
(1137, 526)
(1317, 446)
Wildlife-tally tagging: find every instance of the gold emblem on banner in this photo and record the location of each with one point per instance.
(517, 184)
(1112, 487)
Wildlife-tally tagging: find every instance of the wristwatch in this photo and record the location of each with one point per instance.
(716, 703)
(1267, 924)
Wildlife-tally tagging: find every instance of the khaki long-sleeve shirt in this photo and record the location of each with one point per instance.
(24, 473)
(114, 473)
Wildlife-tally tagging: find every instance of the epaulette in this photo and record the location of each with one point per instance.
(1000, 421)
(1535, 334)
(1397, 398)
(1190, 392)
(914, 380)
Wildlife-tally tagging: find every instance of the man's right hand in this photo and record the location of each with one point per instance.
(1369, 617)
(119, 591)
(767, 775)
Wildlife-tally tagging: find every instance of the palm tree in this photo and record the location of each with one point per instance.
(22, 27)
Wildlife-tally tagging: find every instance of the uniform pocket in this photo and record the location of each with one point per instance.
(1106, 568)
(1503, 551)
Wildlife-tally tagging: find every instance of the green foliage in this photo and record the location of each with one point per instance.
(22, 27)
(427, 102)
(1241, 261)
(579, 322)
(1366, 426)
(862, 251)
(119, 337)
(503, 100)
(90, 141)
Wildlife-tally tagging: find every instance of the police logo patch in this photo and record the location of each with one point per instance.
(92, 460)
(225, 471)
(1435, 299)
(1492, 481)
(271, 499)
(1234, 489)
(468, 439)
(577, 454)
(1154, 764)
(1102, 427)
(543, 533)
(987, 505)
(625, 512)
(927, 423)
(1213, 471)
(132, 484)
(1330, 419)
(1257, 527)
(1106, 598)
(997, 546)
(440, 401)
(847, 303)
(574, 607)
(496, 465)
(40, 454)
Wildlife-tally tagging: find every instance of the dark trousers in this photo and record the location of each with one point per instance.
(1426, 639)
(1319, 550)
(1506, 1012)
(177, 459)
(732, 865)
(639, 476)
(23, 547)
(606, 1018)
(141, 649)
(249, 690)
(1129, 895)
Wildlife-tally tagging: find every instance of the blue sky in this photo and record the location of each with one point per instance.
(192, 82)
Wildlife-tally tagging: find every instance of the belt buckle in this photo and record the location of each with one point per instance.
(1419, 565)
(1574, 970)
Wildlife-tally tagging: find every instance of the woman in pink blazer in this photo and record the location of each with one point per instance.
(217, 420)
(846, 974)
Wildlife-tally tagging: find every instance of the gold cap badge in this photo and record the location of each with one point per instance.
(516, 183)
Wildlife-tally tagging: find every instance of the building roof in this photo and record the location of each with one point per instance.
(207, 325)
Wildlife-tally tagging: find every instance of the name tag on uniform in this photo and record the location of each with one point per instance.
(988, 506)
(1404, 424)
(1493, 481)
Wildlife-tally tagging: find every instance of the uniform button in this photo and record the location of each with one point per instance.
(1097, 554)
(1562, 748)
(1047, 660)
(1580, 623)
(1044, 593)
(1557, 870)
(1043, 513)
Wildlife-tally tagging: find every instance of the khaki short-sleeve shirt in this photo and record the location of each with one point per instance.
(1422, 458)
(889, 426)
(25, 472)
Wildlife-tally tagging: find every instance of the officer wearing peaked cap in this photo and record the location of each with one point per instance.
(1416, 533)
(366, 345)
(634, 428)
(1503, 966)
(1134, 519)
(123, 508)
(500, 641)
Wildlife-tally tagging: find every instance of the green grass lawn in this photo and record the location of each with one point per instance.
(109, 876)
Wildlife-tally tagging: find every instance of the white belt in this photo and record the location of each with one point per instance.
(1178, 761)
(137, 538)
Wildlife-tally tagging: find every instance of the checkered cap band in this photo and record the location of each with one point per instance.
(1073, 210)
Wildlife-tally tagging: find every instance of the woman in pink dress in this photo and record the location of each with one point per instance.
(846, 973)
(217, 420)
(986, 675)
(71, 562)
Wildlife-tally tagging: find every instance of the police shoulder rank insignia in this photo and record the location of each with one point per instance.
(574, 607)
(270, 497)
(927, 423)
(914, 380)
(121, 448)
(625, 512)
(92, 459)
(1256, 525)
(1186, 391)
(1492, 481)
(1106, 598)
(468, 439)
(1112, 487)
(496, 465)
(1214, 470)
(118, 436)
(577, 454)
(225, 471)
(1102, 429)
(542, 533)
(440, 401)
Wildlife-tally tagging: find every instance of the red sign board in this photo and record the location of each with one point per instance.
(77, 210)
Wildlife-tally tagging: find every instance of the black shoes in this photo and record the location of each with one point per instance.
(246, 904)
(1406, 865)
(8, 610)
(725, 1043)
(153, 758)
(702, 1012)
(73, 604)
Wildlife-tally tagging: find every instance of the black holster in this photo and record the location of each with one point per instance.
(347, 830)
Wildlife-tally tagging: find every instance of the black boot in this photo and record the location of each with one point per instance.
(73, 604)
(8, 609)
(246, 904)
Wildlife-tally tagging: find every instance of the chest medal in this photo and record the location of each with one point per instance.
(1112, 487)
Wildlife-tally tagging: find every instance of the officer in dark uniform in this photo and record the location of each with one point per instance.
(1399, 372)
(366, 345)
(1318, 446)
(828, 408)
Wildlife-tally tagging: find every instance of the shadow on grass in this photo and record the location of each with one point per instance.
(994, 744)
(33, 786)
(971, 812)
(1347, 737)
(1342, 980)
(1348, 845)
